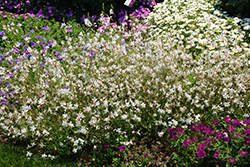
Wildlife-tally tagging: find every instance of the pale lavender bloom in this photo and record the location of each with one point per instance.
(57, 53)
(45, 28)
(2, 33)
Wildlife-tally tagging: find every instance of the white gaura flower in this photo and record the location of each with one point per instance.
(64, 123)
(24, 130)
(33, 128)
(246, 115)
(87, 22)
(127, 143)
(74, 150)
(174, 122)
(29, 154)
(88, 109)
(44, 156)
(127, 2)
(111, 11)
(189, 120)
(4, 37)
(160, 134)
(124, 116)
(45, 132)
(61, 144)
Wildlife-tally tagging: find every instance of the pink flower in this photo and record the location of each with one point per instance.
(230, 160)
(217, 153)
(121, 148)
(186, 143)
(153, 3)
(194, 139)
(237, 135)
(201, 153)
(202, 146)
(243, 153)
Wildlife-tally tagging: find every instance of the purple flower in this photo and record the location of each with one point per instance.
(201, 153)
(45, 28)
(29, 55)
(60, 58)
(57, 53)
(2, 33)
(38, 37)
(32, 31)
(69, 30)
(33, 44)
(17, 50)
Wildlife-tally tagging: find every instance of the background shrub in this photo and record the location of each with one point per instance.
(239, 8)
(76, 9)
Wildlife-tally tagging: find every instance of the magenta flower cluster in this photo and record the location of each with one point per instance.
(122, 148)
(174, 133)
(234, 130)
(106, 146)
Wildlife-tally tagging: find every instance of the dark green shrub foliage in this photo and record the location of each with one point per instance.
(73, 9)
(239, 8)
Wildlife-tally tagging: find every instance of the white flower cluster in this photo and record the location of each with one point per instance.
(198, 27)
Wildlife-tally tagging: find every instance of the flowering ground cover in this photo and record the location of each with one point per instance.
(165, 87)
